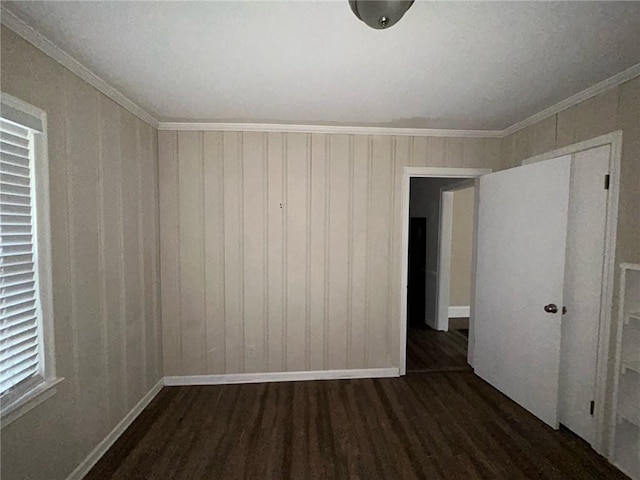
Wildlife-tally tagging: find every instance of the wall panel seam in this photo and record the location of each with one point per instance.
(155, 266)
(203, 253)
(307, 293)
(327, 250)
(240, 144)
(351, 180)
(223, 290)
(104, 331)
(265, 250)
(285, 214)
(176, 156)
(122, 310)
(390, 256)
(367, 267)
(72, 272)
(143, 307)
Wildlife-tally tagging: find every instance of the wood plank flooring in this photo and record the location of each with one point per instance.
(449, 425)
(431, 351)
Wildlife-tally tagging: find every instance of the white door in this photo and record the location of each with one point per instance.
(522, 231)
(582, 289)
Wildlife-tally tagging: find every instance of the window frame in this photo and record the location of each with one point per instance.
(39, 388)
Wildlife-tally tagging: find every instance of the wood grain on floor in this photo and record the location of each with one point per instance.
(448, 425)
(429, 350)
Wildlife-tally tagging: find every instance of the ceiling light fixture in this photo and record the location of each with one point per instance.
(380, 14)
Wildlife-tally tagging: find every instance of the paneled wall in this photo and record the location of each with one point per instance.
(615, 109)
(280, 251)
(105, 254)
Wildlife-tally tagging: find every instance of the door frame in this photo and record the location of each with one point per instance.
(407, 174)
(603, 421)
(444, 252)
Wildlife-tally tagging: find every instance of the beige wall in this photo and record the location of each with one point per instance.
(616, 109)
(280, 252)
(461, 248)
(103, 194)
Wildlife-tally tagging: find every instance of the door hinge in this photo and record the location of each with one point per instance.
(564, 310)
(607, 180)
(592, 407)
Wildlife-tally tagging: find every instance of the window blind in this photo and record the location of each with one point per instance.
(19, 310)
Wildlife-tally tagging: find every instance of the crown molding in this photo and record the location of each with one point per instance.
(329, 129)
(573, 100)
(38, 40)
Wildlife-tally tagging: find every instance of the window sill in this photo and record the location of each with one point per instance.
(28, 401)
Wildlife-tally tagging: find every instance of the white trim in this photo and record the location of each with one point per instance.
(38, 40)
(29, 400)
(407, 173)
(233, 378)
(459, 312)
(96, 454)
(609, 270)
(573, 100)
(328, 129)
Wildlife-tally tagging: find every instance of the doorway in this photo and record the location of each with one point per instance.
(426, 346)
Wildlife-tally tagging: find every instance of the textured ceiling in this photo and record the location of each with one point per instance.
(463, 65)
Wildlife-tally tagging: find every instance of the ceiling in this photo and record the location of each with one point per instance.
(454, 65)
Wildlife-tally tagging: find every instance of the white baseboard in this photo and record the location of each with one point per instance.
(231, 378)
(97, 453)
(459, 312)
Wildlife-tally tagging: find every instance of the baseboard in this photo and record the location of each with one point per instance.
(231, 378)
(459, 312)
(97, 453)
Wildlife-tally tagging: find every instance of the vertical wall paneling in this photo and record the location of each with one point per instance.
(169, 249)
(298, 234)
(275, 361)
(141, 255)
(349, 318)
(213, 195)
(359, 218)
(380, 231)
(437, 151)
(233, 245)
(131, 254)
(193, 326)
(339, 252)
(99, 326)
(318, 231)
(297, 164)
(254, 250)
(82, 152)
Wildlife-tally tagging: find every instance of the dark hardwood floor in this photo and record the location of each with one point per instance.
(431, 351)
(448, 425)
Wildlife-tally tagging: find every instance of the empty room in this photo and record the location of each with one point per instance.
(332, 240)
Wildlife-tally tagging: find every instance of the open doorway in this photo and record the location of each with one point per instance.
(440, 222)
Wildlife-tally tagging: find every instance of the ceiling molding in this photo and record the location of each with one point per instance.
(38, 40)
(34, 37)
(328, 129)
(573, 100)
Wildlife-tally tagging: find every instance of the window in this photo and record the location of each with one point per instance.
(27, 367)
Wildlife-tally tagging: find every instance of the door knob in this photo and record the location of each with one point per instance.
(551, 308)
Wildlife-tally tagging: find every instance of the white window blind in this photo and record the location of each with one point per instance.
(20, 326)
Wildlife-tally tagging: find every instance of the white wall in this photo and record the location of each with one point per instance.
(250, 286)
(104, 228)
